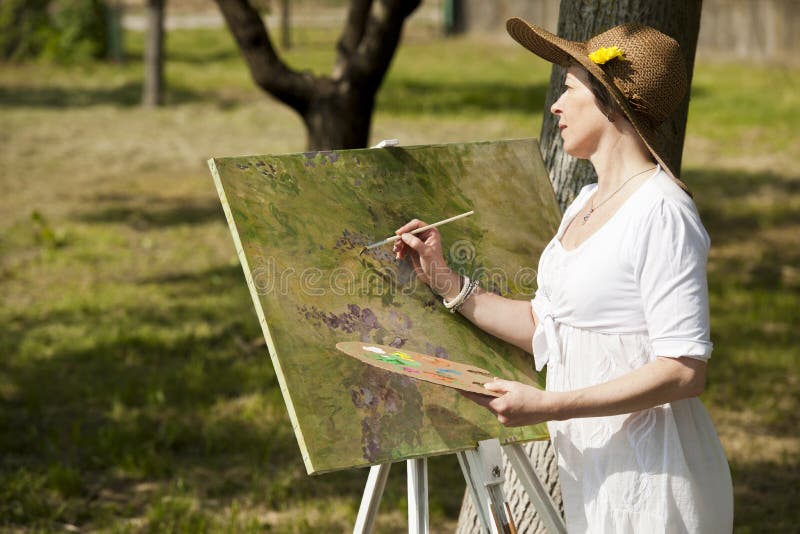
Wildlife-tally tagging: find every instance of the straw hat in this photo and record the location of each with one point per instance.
(640, 67)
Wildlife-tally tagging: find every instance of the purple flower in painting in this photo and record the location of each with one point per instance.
(369, 319)
(363, 398)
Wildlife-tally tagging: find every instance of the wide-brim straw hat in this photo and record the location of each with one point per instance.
(641, 68)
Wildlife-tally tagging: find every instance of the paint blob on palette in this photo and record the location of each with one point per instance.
(420, 366)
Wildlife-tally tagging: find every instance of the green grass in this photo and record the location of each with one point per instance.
(135, 390)
(752, 107)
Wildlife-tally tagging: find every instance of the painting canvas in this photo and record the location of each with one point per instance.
(298, 222)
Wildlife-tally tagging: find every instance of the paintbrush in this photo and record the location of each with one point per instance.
(418, 230)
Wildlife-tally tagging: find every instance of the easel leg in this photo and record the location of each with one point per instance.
(417, 495)
(533, 486)
(483, 473)
(371, 500)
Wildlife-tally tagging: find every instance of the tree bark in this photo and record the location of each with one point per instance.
(336, 109)
(579, 20)
(352, 34)
(338, 118)
(153, 92)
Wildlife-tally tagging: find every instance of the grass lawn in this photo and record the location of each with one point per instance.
(135, 390)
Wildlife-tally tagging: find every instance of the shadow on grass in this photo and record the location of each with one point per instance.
(146, 397)
(397, 96)
(753, 294)
(735, 207)
(201, 57)
(722, 197)
(142, 212)
(188, 284)
(124, 95)
(761, 494)
(758, 387)
(733, 184)
(154, 398)
(451, 98)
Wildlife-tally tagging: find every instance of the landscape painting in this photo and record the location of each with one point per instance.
(299, 223)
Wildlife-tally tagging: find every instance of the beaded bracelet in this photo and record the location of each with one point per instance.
(473, 285)
(467, 288)
(465, 281)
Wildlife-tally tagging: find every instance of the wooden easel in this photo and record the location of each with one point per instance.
(483, 473)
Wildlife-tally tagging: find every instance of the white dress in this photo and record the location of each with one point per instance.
(634, 290)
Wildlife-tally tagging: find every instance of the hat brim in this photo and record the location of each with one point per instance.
(560, 51)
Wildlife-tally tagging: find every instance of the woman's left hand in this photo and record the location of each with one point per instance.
(520, 404)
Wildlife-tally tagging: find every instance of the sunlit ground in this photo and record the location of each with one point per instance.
(136, 391)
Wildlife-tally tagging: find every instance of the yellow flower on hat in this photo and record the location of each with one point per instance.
(602, 56)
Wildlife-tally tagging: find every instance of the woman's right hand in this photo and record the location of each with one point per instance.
(425, 252)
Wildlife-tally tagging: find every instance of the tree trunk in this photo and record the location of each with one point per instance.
(336, 109)
(579, 20)
(337, 118)
(154, 55)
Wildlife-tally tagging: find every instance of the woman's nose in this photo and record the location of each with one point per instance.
(555, 109)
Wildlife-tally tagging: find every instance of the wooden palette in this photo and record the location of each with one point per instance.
(421, 366)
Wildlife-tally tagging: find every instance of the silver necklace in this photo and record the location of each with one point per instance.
(592, 207)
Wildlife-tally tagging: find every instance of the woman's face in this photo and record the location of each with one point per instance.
(580, 119)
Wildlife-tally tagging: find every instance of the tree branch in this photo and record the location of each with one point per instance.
(293, 88)
(370, 61)
(352, 34)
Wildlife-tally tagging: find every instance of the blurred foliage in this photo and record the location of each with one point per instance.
(58, 30)
(45, 233)
(23, 28)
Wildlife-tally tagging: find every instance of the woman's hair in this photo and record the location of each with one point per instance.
(604, 101)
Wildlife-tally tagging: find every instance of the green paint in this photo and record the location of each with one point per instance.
(299, 221)
(396, 359)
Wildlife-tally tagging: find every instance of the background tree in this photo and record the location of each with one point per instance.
(336, 109)
(23, 28)
(66, 31)
(578, 20)
(153, 92)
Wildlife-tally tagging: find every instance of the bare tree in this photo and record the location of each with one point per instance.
(578, 20)
(152, 95)
(336, 109)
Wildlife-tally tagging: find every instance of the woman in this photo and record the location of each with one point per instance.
(620, 316)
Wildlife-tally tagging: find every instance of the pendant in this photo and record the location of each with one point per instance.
(586, 217)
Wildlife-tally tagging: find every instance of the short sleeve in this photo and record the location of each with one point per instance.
(670, 267)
